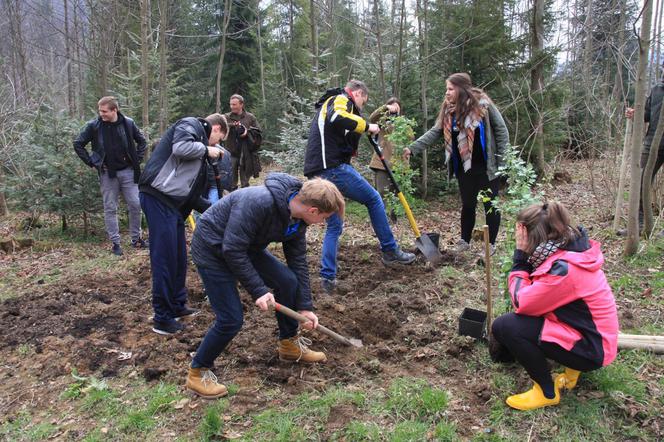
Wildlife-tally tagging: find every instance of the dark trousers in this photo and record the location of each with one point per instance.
(236, 171)
(168, 258)
(221, 288)
(658, 165)
(519, 334)
(471, 183)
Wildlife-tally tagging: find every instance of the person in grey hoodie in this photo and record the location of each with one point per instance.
(171, 186)
(475, 135)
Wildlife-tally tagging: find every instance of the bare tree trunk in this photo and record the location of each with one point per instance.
(587, 62)
(314, 36)
(653, 53)
(222, 51)
(618, 84)
(259, 23)
(163, 66)
(145, 70)
(537, 84)
(632, 240)
(3, 199)
(79, 68)
(627, 144)
(381, 68)
(397, 87)
(658, 46)
(71, 98)
(18, 49)
(422, 29)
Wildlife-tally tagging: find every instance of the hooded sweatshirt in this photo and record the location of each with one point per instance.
(245, 222)
(569, 290)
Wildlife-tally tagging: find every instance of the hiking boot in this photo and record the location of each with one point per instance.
(117, 250)
(204, 383)
(462, 246)
(139, 243)
(297, 349)
(185, 313)
(568, 379)
(328, 285)
(533, 399)
(167, 328)
(397, 256)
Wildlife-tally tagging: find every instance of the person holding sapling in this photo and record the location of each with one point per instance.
(475, 135)
(563, 306)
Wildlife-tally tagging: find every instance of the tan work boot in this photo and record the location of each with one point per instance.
(204, 383)
(296, 349)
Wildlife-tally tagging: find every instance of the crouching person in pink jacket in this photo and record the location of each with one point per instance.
(563, 306)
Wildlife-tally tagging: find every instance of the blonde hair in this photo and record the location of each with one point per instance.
(109, 101)
(323, 195)
(548, 221)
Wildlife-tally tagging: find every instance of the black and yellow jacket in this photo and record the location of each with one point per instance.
(335, 132)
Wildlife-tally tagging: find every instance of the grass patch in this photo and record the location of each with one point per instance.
(212, 424)
(409, 431)
(414, 398)
(23, 428)
(362, 431)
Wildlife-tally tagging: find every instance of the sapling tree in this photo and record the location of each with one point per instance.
(521, 192)
(401, 134)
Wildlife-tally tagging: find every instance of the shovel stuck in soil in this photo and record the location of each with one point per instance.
(357, 343)
(424, 243)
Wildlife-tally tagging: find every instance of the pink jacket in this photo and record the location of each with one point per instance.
(570, 291)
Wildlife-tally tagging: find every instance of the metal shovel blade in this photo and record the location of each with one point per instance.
(428, 249)
(355, 342)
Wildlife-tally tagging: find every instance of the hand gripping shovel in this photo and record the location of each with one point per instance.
(295, 315)
(423, 242)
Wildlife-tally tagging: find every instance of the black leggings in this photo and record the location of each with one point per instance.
(471, 183)
(519, 334)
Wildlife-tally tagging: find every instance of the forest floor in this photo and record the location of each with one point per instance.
(78, 359)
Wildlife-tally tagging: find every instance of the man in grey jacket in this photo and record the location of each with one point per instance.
(171, 186)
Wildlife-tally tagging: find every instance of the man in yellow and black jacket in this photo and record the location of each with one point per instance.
(333, 139)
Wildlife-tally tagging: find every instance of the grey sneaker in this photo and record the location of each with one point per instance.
(462, 246)
(397, 256)
(328, 285)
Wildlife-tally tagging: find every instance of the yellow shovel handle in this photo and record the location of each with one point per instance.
(192, 222)
(409, 214)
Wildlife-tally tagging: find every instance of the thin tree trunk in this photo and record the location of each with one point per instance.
(537, 83)
(71, 98)
(422, 29)
(145, 70)
(653, 53)
(658, 46)
(381, 68)
(587, 61)
(397, 88)
(259, 24)
(18, 49)
(314, 36)
(3, 199)
(632, 240)
(222, 51)
(627, 145)
(163, 66)
(79, 69)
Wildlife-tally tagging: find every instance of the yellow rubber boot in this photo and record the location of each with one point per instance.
(568, 379)
(533, 399)
(297, 349)
(204, 383)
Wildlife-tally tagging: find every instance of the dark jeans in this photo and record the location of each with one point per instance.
(471, 183)
(519, 334)
(236, 172)
(168, 258)
(221, 288)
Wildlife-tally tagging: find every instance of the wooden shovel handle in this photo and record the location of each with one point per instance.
(299, 317)
(487, 267)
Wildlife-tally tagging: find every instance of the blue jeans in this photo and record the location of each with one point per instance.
(352, 185)
(221, 288)
(168, 258)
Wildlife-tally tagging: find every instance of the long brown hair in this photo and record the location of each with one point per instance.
(548, 221)
(468, 97)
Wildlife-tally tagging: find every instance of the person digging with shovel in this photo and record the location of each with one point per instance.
(229, 245)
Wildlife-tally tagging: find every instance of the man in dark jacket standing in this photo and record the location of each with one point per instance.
(171, 185)
(333, 140)
(244, 140)
(118, 147)
(230, 245)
